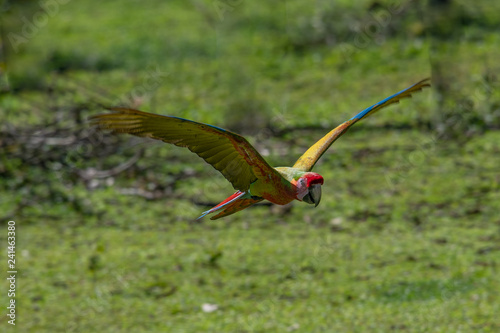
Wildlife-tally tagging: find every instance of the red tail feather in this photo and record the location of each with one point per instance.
(236, 202)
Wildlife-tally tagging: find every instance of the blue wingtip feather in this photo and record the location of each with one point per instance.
(366, 111)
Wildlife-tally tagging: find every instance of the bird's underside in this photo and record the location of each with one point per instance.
(238, 161)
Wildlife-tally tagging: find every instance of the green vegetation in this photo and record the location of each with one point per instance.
(406, 238)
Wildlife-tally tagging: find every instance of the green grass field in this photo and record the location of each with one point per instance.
(407, 235)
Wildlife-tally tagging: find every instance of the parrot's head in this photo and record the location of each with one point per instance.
(309, 188)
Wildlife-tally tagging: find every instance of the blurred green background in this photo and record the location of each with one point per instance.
(406, 238)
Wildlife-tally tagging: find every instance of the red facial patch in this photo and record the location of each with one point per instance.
(313, 178)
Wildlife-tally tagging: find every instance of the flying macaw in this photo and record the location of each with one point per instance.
(231, 154)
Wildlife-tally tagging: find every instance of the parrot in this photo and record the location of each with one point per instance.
(236, 159)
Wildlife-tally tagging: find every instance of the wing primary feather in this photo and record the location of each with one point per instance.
(307, 161)
(395, 98)
(229, 153)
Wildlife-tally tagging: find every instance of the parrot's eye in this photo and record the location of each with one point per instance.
(302, 183)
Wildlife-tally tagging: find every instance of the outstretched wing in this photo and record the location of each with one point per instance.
(307, 161)
(227, 152)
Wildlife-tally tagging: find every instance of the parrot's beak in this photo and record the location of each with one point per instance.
(314, 195)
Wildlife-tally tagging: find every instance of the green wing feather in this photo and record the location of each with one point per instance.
(227, 152)
(307, 161)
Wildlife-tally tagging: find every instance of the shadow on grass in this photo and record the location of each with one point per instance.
(404, 291)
